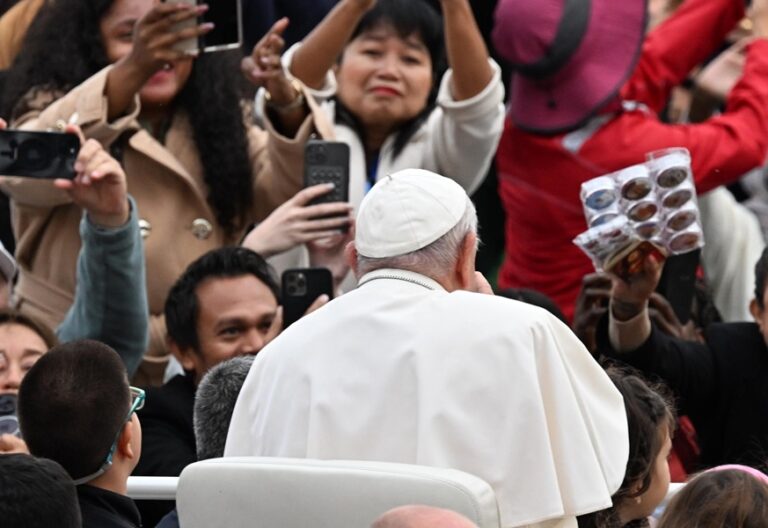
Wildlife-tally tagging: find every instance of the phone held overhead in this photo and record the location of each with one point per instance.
(227, 33)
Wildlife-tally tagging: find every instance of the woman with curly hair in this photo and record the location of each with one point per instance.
(198, 170)
(651, 423)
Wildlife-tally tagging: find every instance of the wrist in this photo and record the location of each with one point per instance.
(626, 309)
(111, 220)
(289, 96)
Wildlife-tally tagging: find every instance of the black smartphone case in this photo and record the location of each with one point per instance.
(327, 161)
(300, 288)
(44, 155)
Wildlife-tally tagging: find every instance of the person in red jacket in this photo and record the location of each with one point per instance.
(586, 92)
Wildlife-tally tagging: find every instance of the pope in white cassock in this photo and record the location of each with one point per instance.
(416, 366)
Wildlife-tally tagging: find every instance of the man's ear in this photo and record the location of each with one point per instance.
(350, 256)
(186, 356)
(465, 264)
(757, 313)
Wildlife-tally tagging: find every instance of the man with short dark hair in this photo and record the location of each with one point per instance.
(36, 493)
(224, 305)
(75, 407)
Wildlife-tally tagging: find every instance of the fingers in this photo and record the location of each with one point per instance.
(596, 279)
(329, 209)
(3, 124)
(661, 304)
(308, 194)
(320, 301)
(482, 285)
(76, 130)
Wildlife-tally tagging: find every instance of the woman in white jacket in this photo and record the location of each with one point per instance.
(378, 70)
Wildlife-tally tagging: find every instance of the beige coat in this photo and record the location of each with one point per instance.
(167, 183)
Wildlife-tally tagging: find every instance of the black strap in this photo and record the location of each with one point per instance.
(570, 32)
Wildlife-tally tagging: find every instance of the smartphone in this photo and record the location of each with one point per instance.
(44, 155)
(227, 33)
(300, 288)
(678, 283)
(324, 162)
(9, 423)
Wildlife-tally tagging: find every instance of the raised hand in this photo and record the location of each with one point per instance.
(591, 305)
(295, 222)
(630, 297)
(329, 253)
(158, 33)
(99, 186)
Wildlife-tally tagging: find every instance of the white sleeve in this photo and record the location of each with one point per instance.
(463, 135)
(328, 89)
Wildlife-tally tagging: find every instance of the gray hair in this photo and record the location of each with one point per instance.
(434, 259)
(214, 404)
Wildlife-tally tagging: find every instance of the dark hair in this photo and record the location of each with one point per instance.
(406, 17)
(181, 306)
(648, 410)
(761, 274)
(63, 48)
(12, 316)
(73, 403)
(535, 298)
(36, 493)
(714, 499)
(215, 402)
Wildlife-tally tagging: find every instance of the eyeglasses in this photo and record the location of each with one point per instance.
(137, 402)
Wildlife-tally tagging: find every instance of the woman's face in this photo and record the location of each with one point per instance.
(117, 35)
(383, 79)
(20, 348)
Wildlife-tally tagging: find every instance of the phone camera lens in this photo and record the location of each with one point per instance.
(33, 154)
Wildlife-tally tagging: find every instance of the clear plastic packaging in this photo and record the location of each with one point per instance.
(642, 209)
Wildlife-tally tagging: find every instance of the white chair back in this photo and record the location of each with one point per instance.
(257, 492)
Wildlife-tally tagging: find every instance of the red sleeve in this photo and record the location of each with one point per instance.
(675, 47)
(725, 147)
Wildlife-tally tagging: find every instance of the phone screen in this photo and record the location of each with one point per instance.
(225, 15)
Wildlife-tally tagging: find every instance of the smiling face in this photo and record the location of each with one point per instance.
(116, 27)
(383, 79)
(20, 348)
(234, 317)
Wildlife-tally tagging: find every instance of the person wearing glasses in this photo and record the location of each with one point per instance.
(76, 408)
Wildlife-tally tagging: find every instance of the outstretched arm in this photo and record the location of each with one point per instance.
(324, 44)
(111, 298)
(467, 53)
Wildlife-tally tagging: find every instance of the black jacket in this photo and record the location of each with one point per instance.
(721, 385)
(104, 509)
(168, 438)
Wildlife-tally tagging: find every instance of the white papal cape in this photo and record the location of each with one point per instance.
(400, 370)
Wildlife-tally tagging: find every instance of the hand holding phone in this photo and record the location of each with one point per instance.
(99, 186)
(223, 17)
(295, 222)
(302, 289)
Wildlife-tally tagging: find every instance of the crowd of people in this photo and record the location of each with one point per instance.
(141, 318)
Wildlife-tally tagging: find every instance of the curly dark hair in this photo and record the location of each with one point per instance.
(63, 48)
